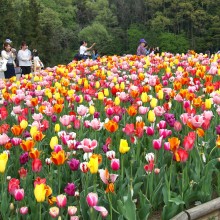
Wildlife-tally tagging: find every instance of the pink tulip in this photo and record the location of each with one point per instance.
(92, 199)
(177, 126)
(115, 164)
(96, 124)
(197, 120)
(162, 125)
(4, 139)
(54, 212)
(23, 210)
(157, 144)
(82, 110)
(143, 110)
(37, 117)
(65, 120)
(159, 111)
(72, 210)
(88, 145)
(166, 146)
(164, 133)
(150, 131)
(74, 217)
(61, 200)
(19, 194)
(103, 211)
(58, 148)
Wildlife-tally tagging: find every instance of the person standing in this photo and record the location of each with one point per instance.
(8, 54)
(24, 59)
(141, 50)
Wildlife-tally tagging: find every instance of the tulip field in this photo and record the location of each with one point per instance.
(120, 137)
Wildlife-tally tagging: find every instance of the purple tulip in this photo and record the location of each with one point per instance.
(74, 164)
(70, 189)
(24, 158)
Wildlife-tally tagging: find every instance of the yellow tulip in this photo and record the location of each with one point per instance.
(160, 94)
(23, 124)
(208, 103)
(106, 92)
(117, 100)
(153, 102)
(33, 130)
(97, 84)
(91, 109)
(122, 85)
(57, 127)
(100, 96)
(144, 97)
(57, 95)
(151, 116)
(53, 142)
(93, 165)
(3, 162)
(123, 148)
(40, 192)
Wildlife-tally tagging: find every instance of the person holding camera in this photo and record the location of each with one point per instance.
(141, 50)
(8, 53)
(84, 50)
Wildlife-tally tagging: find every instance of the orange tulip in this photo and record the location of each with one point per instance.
(27, 145)
(58, 108)
(16, 130)
(132, 110)
(110, 188)
(8, 146)
(111, 126)
(58, 158)
(60, 101)
(177, 85)
(134, 93)
(34, 101)
(174, 143)
(197, 102)
(41, 109)
(38, 136)
(200, 132)
(34, 153)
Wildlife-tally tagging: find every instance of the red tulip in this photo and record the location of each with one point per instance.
(36, 165)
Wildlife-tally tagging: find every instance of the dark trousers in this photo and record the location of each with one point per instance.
(25, 70)
(10, 72)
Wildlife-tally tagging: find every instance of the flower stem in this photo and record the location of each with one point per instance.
(110, 204)
(40, 211)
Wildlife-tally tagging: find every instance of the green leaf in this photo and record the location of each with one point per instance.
(177, 200)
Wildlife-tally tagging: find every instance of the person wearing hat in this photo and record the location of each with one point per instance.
(141, 50)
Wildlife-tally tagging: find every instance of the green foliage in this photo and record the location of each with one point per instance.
(172, 43)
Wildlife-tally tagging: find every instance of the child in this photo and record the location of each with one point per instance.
(38, 65)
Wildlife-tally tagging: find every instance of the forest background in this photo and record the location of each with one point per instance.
(56, 27)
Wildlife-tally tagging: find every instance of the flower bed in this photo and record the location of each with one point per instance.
(115, 138)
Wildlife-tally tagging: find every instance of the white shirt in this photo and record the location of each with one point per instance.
(24, 57)
(38, 62)
(8, 56)
(82, 50)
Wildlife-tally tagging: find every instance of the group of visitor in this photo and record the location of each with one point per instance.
(24, 59)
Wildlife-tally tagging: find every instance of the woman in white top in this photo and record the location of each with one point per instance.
(8, 54)
(24, 59)
(84, 50)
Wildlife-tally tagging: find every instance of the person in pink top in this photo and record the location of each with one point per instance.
(141, 50)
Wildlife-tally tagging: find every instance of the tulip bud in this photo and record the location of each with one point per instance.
(151, 116)
(92, 199)
(61, 200)
(72, 210)
(24, 210)
(54, 212)
(115, 164)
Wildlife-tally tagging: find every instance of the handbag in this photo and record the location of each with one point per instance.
(3, 65)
